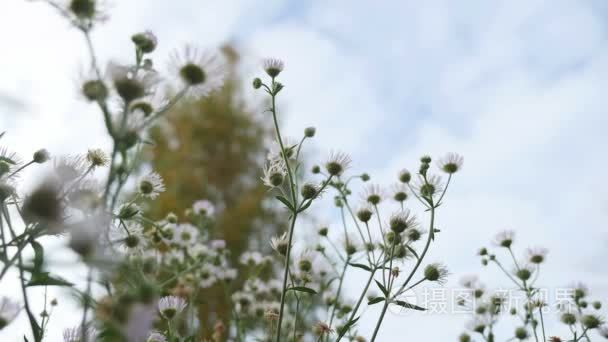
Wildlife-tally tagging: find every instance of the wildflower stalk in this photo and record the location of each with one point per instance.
(33, 322)
(294, 214)
(418, 262)
(542, 321)
(338, 292)
(361, 297)
(85, 310)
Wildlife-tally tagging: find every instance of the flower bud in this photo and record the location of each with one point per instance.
(145, 41)
(305, 265)
(521, 333)
(364, 214)
(523, 274)
(308, 190)
(464, 337)
(94, 90)
(128, 211)
(568, 318)
(365, 177)
(405, 176)
(4, 167)
(426, 159)
(41, 156)
(323, 231)
(171, 218)
(257, 83)
(316, 169)
(84, 9)
(309, 132)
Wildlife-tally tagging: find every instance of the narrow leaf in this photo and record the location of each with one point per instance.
(382, 288)
(361, 266)
(346, 327)
(42, 279)
(305, 206)
(302, 289)
(286, 202)
(409, 306)
(413, 251)
(375, 300)
(38, 256)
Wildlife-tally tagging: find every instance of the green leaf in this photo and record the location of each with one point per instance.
(346, 327)
(302, 289)
(44, 279)
(305, 206)
(286, 202)
(38, 256)
(361, 266)
(409, 306)
(375, 300)
(382, 288)
(413, 251)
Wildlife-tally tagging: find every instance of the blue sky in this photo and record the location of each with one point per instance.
(517, 87)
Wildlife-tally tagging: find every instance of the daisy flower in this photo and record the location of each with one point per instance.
(8, 311)
(279, 243)
(155, 336)
(75, 334)
(504, 238)
(250, 258)
(429, 187)
(148, 104)
(97, 157)
(203, 207)
(273, 66)
(207, 276)
(274, 173)
(436, 272)
(275, 153)
(151, 185)
(68, 168)
(337, 163)
(402, 220)
(171, 306)
(399, 192)
(218, 244)
(185, 235)
(451, 163)
(536, 255)
(199, 71)
(128, 85)
(373, 194)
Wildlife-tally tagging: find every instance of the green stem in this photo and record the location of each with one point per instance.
(33, 323)
(361, 297)
(426, 248)
(542, 322)
(333, 311)
(85, 310)
(294, 214)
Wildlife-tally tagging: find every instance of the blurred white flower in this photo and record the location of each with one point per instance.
(171, 306)
(203, 207)
(185, 235)
(200, 72)
(75, 334)
(151, 185)
(8, 311)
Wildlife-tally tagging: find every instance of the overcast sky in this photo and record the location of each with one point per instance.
(517, 87)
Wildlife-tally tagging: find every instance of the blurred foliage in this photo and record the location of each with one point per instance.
(214, 149)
